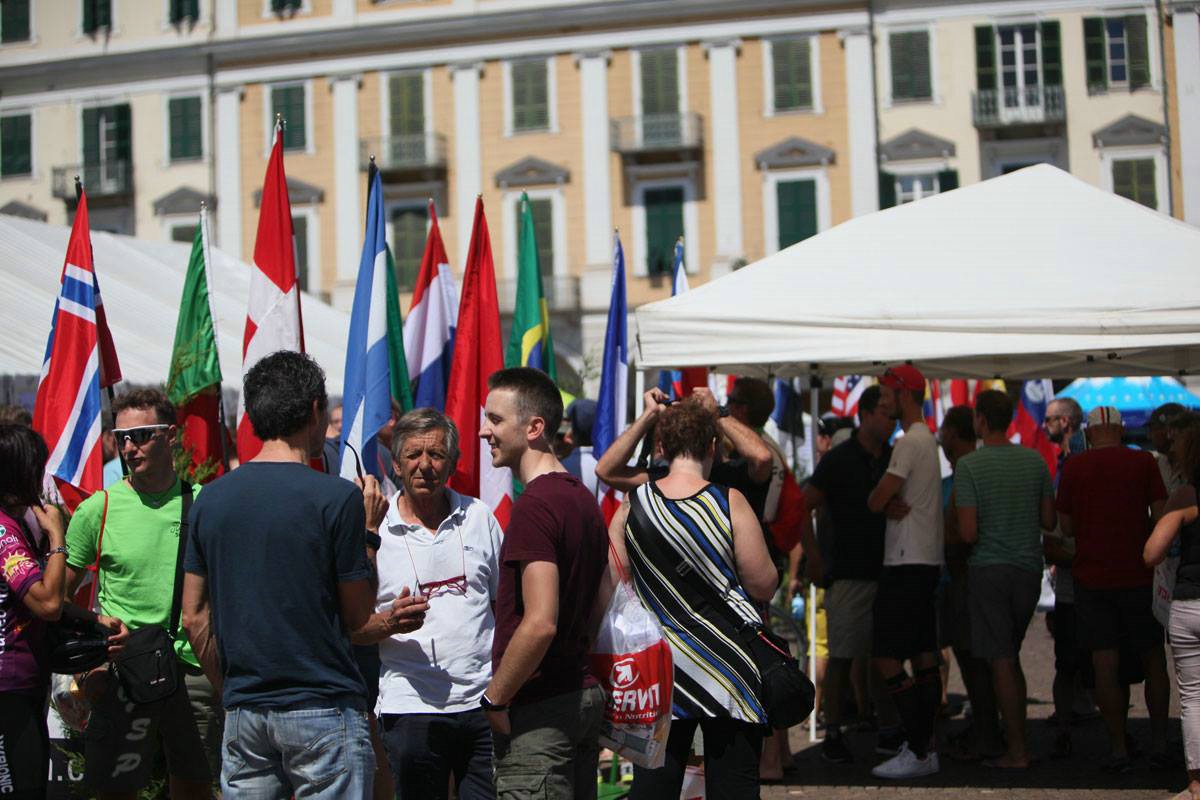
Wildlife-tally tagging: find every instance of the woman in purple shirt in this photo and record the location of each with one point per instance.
(32, 581)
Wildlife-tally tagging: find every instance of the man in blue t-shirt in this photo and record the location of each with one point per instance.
(277, 584)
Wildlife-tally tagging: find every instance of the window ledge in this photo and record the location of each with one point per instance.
(185, 160)
(813, 111)
(530, 131)
(24, 176)
(913, 101)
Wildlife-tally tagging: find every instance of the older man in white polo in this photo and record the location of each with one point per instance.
(445, 546)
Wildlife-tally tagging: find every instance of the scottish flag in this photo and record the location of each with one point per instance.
(366, 395)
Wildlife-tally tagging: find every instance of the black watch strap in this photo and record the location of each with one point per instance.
(488, 705)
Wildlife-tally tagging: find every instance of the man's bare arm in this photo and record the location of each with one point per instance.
(532, 638)
(196, 619)
(406, 615)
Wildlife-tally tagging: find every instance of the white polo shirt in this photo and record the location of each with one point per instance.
(444, 666)
(918, 538)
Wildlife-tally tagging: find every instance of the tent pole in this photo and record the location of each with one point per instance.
(814, 396)
(639, 389)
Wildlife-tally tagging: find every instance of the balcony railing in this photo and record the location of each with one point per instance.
(411, 151)
(657, 132)
(107, 179)
(561, 291)
(1029, 105)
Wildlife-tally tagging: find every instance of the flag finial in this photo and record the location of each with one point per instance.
(372, 157)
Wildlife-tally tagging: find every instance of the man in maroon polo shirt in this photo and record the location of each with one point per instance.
(543, 703)
(1108, 498)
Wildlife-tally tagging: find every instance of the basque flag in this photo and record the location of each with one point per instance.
(614, 378)
(429, 330)
(67, 409)
(367, 392)
(1026, 428)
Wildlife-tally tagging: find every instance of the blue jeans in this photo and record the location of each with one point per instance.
(309, 752)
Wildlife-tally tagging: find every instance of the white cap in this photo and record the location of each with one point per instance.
(1104, 415)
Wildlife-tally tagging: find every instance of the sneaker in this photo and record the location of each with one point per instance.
(905, 764)
(835, 751)
(889, 741)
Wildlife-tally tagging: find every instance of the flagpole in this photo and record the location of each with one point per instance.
(112, 396)
(204, 247)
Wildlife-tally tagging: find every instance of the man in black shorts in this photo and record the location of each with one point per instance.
(905, 613)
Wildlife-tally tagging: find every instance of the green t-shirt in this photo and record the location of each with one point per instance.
(1005, 484)
(137, 554)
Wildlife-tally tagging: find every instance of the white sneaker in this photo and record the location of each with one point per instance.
(905, 764)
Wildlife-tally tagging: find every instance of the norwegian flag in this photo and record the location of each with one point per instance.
(846, 391)
(273, 318)
(80, 359)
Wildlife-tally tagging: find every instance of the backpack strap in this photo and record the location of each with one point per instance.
(177, 593)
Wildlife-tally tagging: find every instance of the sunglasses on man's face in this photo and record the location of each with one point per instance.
(139, 436)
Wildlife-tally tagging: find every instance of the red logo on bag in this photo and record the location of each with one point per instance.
(624, 673)
(639, 684)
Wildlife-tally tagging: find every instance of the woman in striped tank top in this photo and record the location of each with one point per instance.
(689, 544)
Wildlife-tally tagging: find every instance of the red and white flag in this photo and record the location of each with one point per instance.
(477, 355)
(273, 317)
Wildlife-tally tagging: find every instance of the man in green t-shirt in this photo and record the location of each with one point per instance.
(1004, 500)
(135, 526)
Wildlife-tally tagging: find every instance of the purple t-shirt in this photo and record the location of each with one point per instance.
(23, 664)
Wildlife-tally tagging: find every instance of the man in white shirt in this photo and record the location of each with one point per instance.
(444, 546)
(905, 612)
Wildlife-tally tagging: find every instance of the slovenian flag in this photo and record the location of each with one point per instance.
(367, 392)
(430, 328)
(1026, 428)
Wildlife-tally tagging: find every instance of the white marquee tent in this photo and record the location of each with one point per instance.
(1035, 274)
(141, 284)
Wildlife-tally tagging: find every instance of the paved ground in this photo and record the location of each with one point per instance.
(1075, 778)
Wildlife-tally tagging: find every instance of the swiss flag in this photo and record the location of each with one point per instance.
(273, 317)
(477, 355)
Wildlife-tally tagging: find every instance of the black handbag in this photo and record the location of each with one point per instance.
(147, 668)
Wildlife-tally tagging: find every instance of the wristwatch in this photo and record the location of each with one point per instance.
(722, 411)
(60, 549)
(488, 705)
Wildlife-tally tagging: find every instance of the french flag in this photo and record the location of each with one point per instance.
(678, 383)
(430, 328)
(614, 379)
(1026, 428)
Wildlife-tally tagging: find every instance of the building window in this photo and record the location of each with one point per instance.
(288, 102)
(1134, 179)
(791, 74)
(542, 211)
(409, 228)
(1019, 62)
(16, 146)
(14, 21)
(286, 6)
(186, 121)
(300, 234)
(664, 226)
(1116, 52)
(183, 233)
(913, 187)
(796, 207)
(911, 78)
(108, 138)
(184, 11)
(97, 14)
(530, 95)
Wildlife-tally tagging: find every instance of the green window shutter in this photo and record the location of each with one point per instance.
(660, 81)
(985, 58)
(1094, 53)
(408, 237)
(791, 70)
(300, 232)
(122, 132)
(797, 211)
(96, 14)
(184, 10)
(186, 128)
(910, 66)
(1134, 179)
(1137, 51)
(664, 226)
(407, 104)
(183, 233)
(947, 180)
(887, 190)
(542, 211)
(530, 95)
(279, 6)
(91, 136)
(14, 21)
(1051, 53)
(16, 146)
(289, 101)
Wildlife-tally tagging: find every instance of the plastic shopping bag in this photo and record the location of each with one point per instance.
(1164, 589)
(633, 663)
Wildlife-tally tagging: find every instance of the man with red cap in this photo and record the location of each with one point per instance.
(905, 613)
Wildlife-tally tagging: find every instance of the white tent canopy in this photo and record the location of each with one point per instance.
(141, 284)
(1031, 275)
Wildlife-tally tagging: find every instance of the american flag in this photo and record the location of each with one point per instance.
(846, 391)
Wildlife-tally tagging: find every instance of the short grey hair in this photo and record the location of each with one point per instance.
(424, 420)
(1074, 411)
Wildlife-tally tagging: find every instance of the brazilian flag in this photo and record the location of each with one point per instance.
(530, 344)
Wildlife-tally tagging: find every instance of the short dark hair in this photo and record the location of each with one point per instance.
(868, 401)
(960, 420)
(150, 399)
(687, 429)
(424, 420)
(280, 391)
(15, 415)
(1074, 410)
(756, 395)
(536, 395)
(996, 408)
(23, 456)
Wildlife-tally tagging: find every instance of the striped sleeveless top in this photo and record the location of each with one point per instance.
(673, 545)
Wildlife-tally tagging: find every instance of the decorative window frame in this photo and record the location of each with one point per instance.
(680, 72)
(168, 222)
(551, 97)
(691, 222)
(385, 99)
(1152, 51)
(1109, 155)
(885, 65)
(33, 37)
(558, 220)
(771, 179)
(814, 67)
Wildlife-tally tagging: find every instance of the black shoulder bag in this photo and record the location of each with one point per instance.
(786, 693)
(147, 668)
